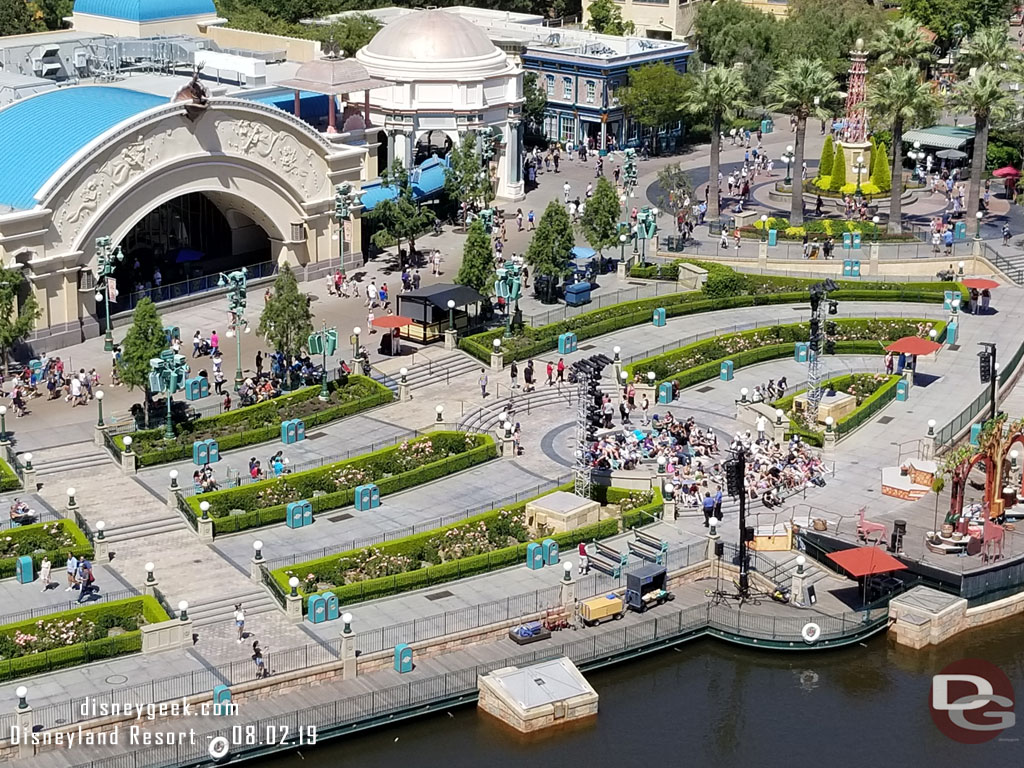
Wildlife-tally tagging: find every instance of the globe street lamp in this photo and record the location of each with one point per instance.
(916, 155)
(859, 165)
(764, 226)
(451, 314)
(874, 220)
(977, 231)
(623, 239)
(787, 158)
(99, 406)
(106, 256)
(236, 284)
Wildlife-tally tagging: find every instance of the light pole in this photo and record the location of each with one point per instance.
(106, 256)
(451, 314)
(236, 293)
(3, 423)
(623, 239)
(874, 220)
(787, 158)
(916, 155)
(355, 342)
(345, 199)
(764, 227)
(977, 230)
(859, 166)
(99, 407)
(167, 374)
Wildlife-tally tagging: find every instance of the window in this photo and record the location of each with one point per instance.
(550, 85)
(567, 130)
(567, 88)
(591, 91)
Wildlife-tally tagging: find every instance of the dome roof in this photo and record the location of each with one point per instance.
(145, 10)
(431, 36)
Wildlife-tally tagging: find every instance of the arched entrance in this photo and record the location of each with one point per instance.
(432, 143)
(182, 243)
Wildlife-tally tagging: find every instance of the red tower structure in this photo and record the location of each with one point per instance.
(855, 130)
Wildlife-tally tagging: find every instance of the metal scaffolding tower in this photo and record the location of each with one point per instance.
(582, 465)
(820, 305)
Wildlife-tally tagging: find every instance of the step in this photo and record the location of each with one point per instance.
(255, 602)
(900, 486)
(84, 461)
(168, 525)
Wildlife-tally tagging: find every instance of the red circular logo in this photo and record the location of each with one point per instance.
(972, 701)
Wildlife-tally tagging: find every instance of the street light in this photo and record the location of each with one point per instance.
(623, 239)
(787, 158)
(236, 284)
(355, 341)
(859, 165)
(451, 314)
(106, 256)
(874, 220)
(916, 155)
(99, 406)
(931, 427)
(977, 232)
(3, 423)
(764, 226)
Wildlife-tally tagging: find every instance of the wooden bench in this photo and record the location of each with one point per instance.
(648, 547)
(608, 560)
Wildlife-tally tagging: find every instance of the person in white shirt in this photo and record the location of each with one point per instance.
(762, 425)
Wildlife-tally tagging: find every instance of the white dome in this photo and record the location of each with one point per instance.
(431, 45)
(431, 36)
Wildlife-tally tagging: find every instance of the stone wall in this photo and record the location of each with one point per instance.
(918, 623)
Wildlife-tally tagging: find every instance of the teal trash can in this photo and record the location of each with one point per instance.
(659, 317)
(727, 370)
(975, 434)
(951, 330)
(856, 241)
(549, 550)
(847, 240)
(773, 237)
(902, 390)
(665, 393)
(534, 556)
(855, 268)
(960, 230)
(24, 570)
(767, 126)
(403, 658)
(800, 351)
(847, 268)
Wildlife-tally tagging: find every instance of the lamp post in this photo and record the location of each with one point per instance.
(345, 198)
(355, 341)
(167, 375)
(874, 220)
(916, 155)
(859, 166)
(623, 239)
(764, 227)
(787, 158)
(236, 284)
(3, 423)
(451, 314)
(99, 407)
(106, 257)
(931, 427)
(977, 230)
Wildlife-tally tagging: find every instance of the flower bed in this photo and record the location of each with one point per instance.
(57, 540)
(393, 469)
(873, 392)
(79, 636)
(869, 231)
(482, 543)
(725, 289)
(702, 360)
(259, 423)
(9, 480)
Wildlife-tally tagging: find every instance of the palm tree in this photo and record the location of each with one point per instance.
(983, 96)
(987, 47)
(803, 88)
(900, 98)
(717, 93)
(902, 43)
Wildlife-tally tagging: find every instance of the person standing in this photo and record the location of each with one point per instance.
(197, 344)
(259, 363)
(528, 377)
(709, 508)
(483, 382)
(551, 373)
(584, 559)
(214, 342)
(44, 573)
(72, 569)
(762, 425)
(566, 192)
(560, 370)
(240, 621)
(257, 659)
(85, 580)
(513, 373)
(645, 406)
(718, 504)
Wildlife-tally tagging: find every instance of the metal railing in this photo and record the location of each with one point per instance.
(648, 290)
(411, 530)
(45, 610)
(1013, 270)
(201, 284)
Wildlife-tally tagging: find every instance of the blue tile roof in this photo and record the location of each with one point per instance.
(426, 180)
(145, 10)
(39, 134)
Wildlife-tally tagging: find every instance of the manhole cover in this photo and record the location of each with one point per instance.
(439, 595)
(705, 389)
(339, 518)
(584, 349)
(197, 561)
(315, 435)
(115, 680)
(953, 347)
(885, 420)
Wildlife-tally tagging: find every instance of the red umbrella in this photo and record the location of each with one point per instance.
(980, 283)
(1007, 171)
(914, 345)
(392, 321)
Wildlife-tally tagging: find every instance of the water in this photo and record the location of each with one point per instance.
(709, 704)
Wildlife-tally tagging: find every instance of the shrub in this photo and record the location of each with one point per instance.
(393, 469)
(9, 480)
(838, 177)
(56, 540)
(259, 423)
(873, 392)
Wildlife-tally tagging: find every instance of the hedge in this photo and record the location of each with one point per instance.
(258, 423)
(872, 404)
(413, 546)
(83, 653)
(302, 485)
(787, 335)
(9, 480)
(58, 557)
(725, 289)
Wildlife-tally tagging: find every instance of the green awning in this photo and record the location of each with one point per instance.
(940, 136)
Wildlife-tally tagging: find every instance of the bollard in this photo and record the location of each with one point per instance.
(23, 716)
(567, 587)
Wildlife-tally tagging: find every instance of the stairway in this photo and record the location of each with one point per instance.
(56, 461)
(254, 602)
(485, 418)
(441, 370)
(786, 564)
(149, 527)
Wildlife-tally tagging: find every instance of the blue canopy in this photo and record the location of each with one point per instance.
(582, 252)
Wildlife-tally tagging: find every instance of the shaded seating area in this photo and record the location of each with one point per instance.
(873, 567)
(430, 313)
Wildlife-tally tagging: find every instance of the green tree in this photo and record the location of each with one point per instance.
(881, 176)
(16, 322)
(674, 186)
(16, 17)
(990, 47)
(600, 220)
(477, 268)
(286, 321)
(983, 96)
(952, 19)
(803, 88)
(729, 31)
(652, 96)
(535, 103)
(466, 179)
(606, 19)
(902, 43)
(716, 94)
(400, 218)
(900, 98)
(348, 34)
(828, 150)
(828, 29)
(838, 178)
(144, 340)
(551, 247)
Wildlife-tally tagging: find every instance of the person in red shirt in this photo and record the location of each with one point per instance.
(551, 374)
(584, 560)
(561, 370)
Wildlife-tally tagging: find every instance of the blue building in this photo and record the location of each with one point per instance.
(582, 73)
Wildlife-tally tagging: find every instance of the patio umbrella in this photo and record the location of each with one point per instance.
(980, 283)
(951, 154)
(914, 345)
(862, 562)
(1007, 171)
(392, 321)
